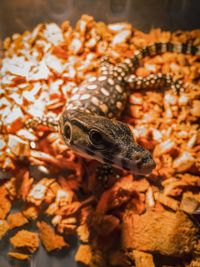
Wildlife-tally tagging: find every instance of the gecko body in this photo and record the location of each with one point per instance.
(90, 121)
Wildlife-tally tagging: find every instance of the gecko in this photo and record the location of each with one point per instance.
(90, 122)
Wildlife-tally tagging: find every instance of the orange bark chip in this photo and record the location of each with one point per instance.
(18, 256)
(25, 185)
(31, 213)
(146, 232)
(84, 255)
(120, 193)
(16, 220)
(49, 238)
(83, 232)
(25, 239)
(67, 225)
(38, 191)
(143, 259)
(4, 227)
(89, 256)
(5, 206)
(168, 202)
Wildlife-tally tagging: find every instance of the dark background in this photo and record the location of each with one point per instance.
(20, 15)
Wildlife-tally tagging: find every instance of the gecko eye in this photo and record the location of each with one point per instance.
(67, 131)
(96, 138)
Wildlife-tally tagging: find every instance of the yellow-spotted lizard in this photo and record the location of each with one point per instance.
(90, 121)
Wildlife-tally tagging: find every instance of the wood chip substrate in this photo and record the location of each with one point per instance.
(146, 221)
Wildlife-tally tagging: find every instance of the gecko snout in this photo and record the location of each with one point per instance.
(140, 162)
(144, 162)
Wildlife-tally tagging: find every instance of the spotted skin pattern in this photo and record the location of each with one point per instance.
(89, 122)
(106, 95)
(103, 95)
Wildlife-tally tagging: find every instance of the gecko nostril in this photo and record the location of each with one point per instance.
(137, 157)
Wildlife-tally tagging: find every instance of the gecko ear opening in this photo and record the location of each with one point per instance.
(67, 132)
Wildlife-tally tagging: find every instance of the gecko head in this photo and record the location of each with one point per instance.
(105, 140)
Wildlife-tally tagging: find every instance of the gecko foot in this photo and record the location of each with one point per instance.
(104, 174)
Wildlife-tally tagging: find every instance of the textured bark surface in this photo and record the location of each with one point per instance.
(167, 233)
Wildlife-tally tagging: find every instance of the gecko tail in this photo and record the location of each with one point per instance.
(131, 64)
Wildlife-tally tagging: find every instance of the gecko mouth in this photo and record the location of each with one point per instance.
(139, 163)
(142, 165)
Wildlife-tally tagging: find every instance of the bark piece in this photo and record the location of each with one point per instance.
(143, 259)
(16, 220)
(49, 238)
(18, 256)
(163, 232)
(4, 227)
(25, 239)
(190, 203)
